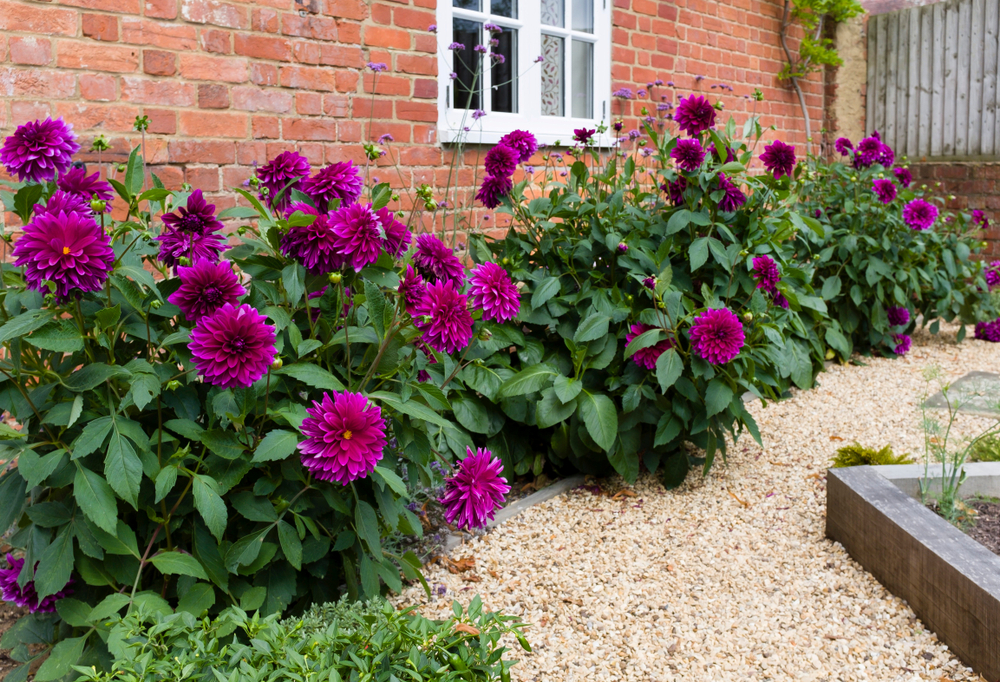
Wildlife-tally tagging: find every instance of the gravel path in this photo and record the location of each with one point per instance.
(729, 577)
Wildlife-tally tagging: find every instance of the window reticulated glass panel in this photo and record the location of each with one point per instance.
(466, 86)
(552, 12)
(504, 8)
(582, 92)
(503, 74)
(553, 68)
(583, 16)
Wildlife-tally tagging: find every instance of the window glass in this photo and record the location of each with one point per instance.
(503, 74)
(552, 75)
(467, 4)
(504, 8)
(466, 86)
(583, 15)
(583, 79)
(552, 13)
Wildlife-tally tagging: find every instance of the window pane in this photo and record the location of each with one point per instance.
(465, 63)
(504, 75)
(552, 75)
(583, 79)
(552, 13)
(466, 4)
(583, 15)
(504, 8)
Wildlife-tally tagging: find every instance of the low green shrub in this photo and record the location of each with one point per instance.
(331, 643)
(986, 450)
(855, 455)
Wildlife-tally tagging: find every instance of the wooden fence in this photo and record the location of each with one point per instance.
(932, 80)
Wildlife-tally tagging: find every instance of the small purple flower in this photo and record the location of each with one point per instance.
(68, 249)
(481, 49)
(649, 283)
(440, 589)
(658, 82)
(456, 46)
(377, 67)
(623, 93)
(283, 169)
(453, 75)
(884, 189)
(39, 149)
(476, 490)
(767, 274)
(436, 261)
(919, 214)
(898, 316)
(27, 596)
(501, 161)
(492, 28)
(689, 155)
(622, 247)
(779, 159)
(539, 59)
(694, 114)
(497, 58)
(444, 318)
(87, 187)
(843, 146)
(494, 293)
(634, 134)
(903, 343)
(478, 114)
(206, 287)
(339, 180)
(192, 232)
(640, 93)
(904, 176)
(433, 28)
(733, 197)
(717, 336)
(233, 347)
(988, 331)
(345, 437)
(583, 135)
(618, 125)
(493, 189)
(647, 357)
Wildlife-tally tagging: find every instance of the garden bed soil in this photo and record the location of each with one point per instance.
(986, 528)
(8, 616)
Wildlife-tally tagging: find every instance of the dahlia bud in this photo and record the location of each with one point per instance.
(185, 261)
(951, 197)
(983, 244)
(485, 335)
(426, 319)
(185, 186)
(629, 298)
(334, 277)
(156, 304)
(830, 355)
(505, 260)
(744, 253)
(98, 205)
(748, 316)
(430, 205)
(121, 168)
(395, 197)
(254, 182)
(173, 385)
(854, 178)
(276, 365)
(815, 256)
(649, 282)
(241, 230)
(622, 247)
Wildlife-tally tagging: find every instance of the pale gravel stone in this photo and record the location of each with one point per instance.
(690, 585)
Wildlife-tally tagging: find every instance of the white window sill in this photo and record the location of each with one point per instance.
(448, 136)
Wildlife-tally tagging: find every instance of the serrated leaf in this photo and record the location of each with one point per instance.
(25, 200)
(63, 655)
(122, 468)
(717, 396)
(96, 499)
(55, 565)
(698, 253)
(93, 375)
(566, 388)
(366, 524)
(108, 607)
(61, 337)
(210, 505)
(225, 444)
(199, 598)
(92, 437)
(291, 545)
(276, 445)
(108, 317)
(548, 288)
(24, 324)
(175, 563)
(669, 367)
(529, 380)
(165, 481)
(598, 412)
(314, 376)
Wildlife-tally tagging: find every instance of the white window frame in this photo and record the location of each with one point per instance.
(548, 129)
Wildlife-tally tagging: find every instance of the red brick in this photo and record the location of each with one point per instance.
(204, 178)
(80, 55)
(212, 124)
(265, 127)
(235, 177)
(171, 177)
(412, 19)
(263, 47)
(215, 13)
(408, 63)
(156, 91)
(33, 18)
(247, 98)
(347, 81)
(100, 27)
(379, 36)
(159, 34)
(308, 103)
(213, 96)
(101, 117)
(22, 112)
(349, 32)
(97, 87)
(44, 83)
(265, 19)
(317, 28)
(306, 129)
(201, 151)
(30, 50)
(386, 85)
(365, 108)
(159, 63)
(161, 121)
(308, 78)
(217, 41)
(336, 106)
(201, 68)
(263, 74)
(425, 88)
(347, 9)
(416, 111)
(382, 14)
(161, 9)
(249, 152)
(116, 6)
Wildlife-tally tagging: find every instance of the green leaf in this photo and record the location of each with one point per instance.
(483, 379)
(411, 408)
(470, 413)
(391, 478)
(24, 324)
(92, 376)
(732, 167)
(717, 397)
(598, 412)
(25, 200)
(314, 376)
(55, 565)
(239, 212)
(134, 179)
(75, 410)
(61, 337)
(254, 507)
(291, 545)
(199, 598)
(668, 428)
(276, 445)
(831, 287)
(592, 328)
(366, 525)
(644, 340)
(548, 288)
(526, 381)
(567, 389)
(122, 469)
(35, 468)
(63, 655)
(698, 253)
(550, 410)
(96, 499)
(92, 437)
(225, 444)
(669, 367)
(210, 505)
(294, 279)
(12, 491)
(175, 563)
(73, 611)
(253, 599)
(108, 606)
(108, 317)
(186, 428)
(375, 303)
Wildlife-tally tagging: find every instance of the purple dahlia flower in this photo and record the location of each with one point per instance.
(897, 316)
(647, 357)
(494, 293)
(345, 437)
(423, 376)
(27, 596)
(886, 157)
(206, 287)
(314, 245)
(904, 176)
(69, 249)
(675, 190)
(779, 300)
(583, 135)
(767, 274)
(919, 214)
(979, 218)
(868, 152)
(444, 318)
(283, 169)
(233, 347)
(501, 161)
(733, 197)
(87, 187)
(64, 201)
(358, 234)
(193, 232)
(988, 331)
(992, 274)
(522, 142)
(476, 490)
(39, 149)
(843, 146)
(397, 236)
(411, 287)
(436, 261)
(336, 181)
(779, 158)
(717, 336)
(694, 114)
(689, 155)
(903, 343)
(493, 189)
(884, 189)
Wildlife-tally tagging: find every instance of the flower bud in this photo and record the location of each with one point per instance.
(505, 260)
(334, 277)
(815, 256)
(951, 197)
(744, 253)
(276, 365)
(430, 205)
(173, 385)
(395, 197)
(622, 247)
(185, 261)
(121, 168)
(98, 205)
(748, 316)
(629, 298)
(485, 335)
(156, 304)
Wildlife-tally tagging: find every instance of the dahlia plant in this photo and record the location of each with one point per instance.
(206, 419)
(659, 288)
(889, 258)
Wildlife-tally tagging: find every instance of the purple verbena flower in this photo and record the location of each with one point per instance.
(345, 437)
(444, 318)
(717, 336)
(501, 161)
(623, 93)
(87, 187)
(339, 180)
(275, 175)
(68, 249)
(884, 189)
(476, 490)
(233, 347)
(27, 596)
(39, 149)
(456, 46)
(779, 159)
(494, 293)
(689, 155)
(192, 232)
(646, 357)
(694, 114)
(206, 287)
(377, 67)
(481, 49)
(358, 234)
(919, 214)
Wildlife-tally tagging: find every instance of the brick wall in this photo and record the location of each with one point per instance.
(973, 185)
(227, 83)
